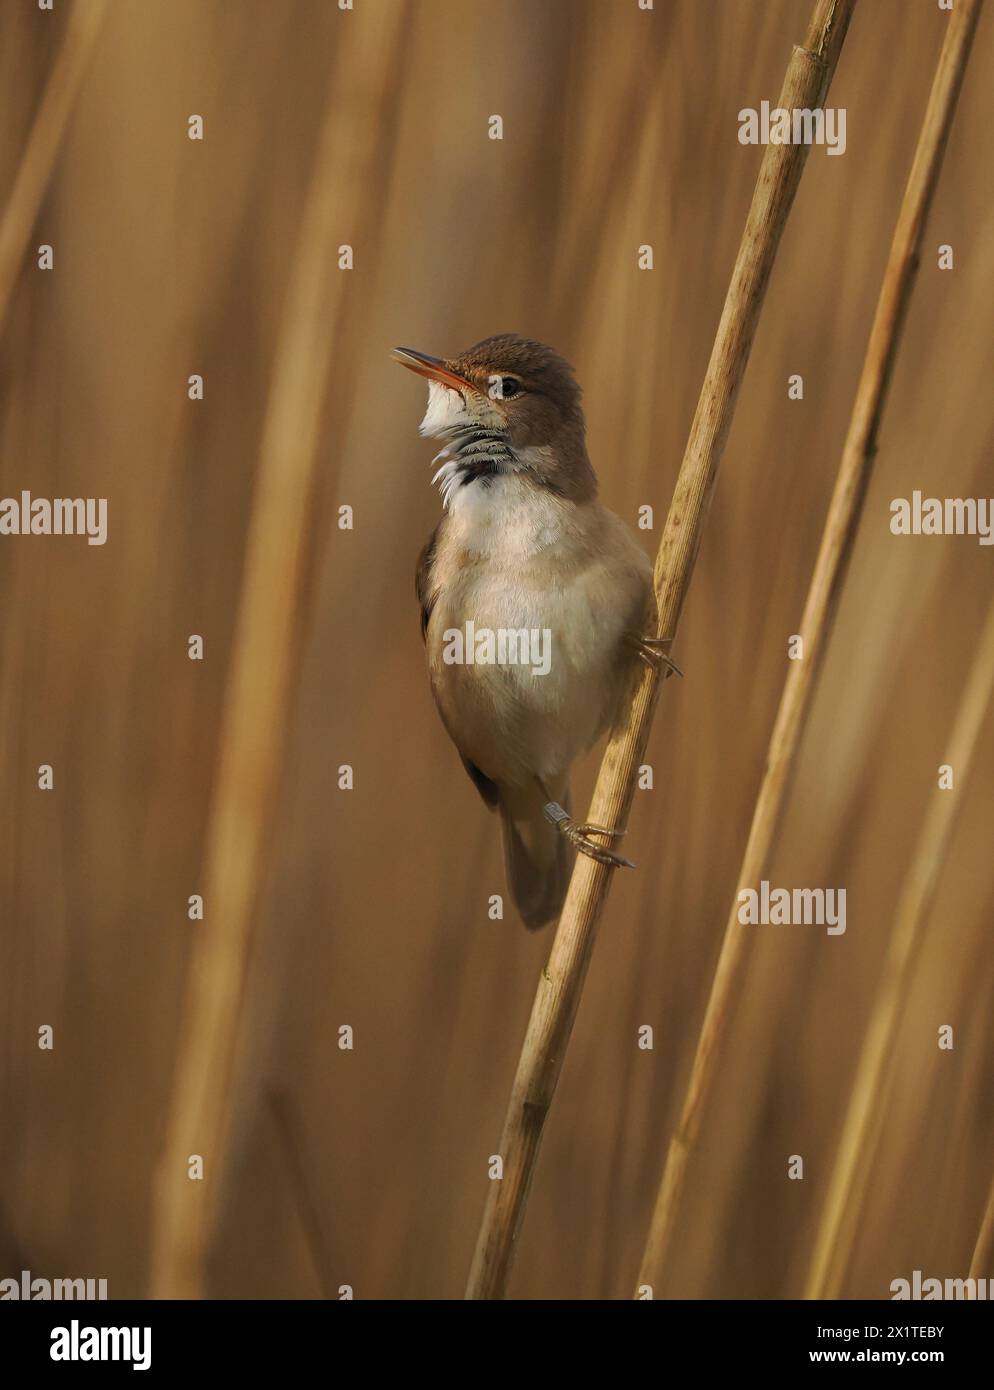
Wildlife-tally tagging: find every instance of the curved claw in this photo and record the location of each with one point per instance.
(651, 650)
(579, 837)
(589, 829)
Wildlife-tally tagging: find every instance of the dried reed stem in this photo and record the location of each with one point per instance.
(290, 1132)
(819, 612)
(256, 714)
(49, 126)
(982, 1264)
(805, 85)
(836, 1228)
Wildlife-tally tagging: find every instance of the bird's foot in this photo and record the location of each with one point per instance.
(652, 651)
(579, 836)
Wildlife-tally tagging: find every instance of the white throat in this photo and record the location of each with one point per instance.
(446, 412)
(477, 450)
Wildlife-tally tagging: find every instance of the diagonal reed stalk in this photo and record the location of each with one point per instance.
(982, 1264)
(836, 1230)
(819, 611)
(47, 131)
(263, 660)
(806, 83)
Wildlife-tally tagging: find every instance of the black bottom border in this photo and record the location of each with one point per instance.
(349, 1335)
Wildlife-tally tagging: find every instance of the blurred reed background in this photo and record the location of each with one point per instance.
(175, 257)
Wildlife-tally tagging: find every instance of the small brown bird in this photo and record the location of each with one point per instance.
(533, 599)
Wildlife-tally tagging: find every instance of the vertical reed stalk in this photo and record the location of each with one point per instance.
(820, 608)
(258, 698)
(806, 83)
(834, 1240)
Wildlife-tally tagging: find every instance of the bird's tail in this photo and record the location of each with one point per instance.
(537, 858)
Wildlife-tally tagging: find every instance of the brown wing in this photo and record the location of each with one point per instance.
(424, 581)
(487, 788)
(427, 592)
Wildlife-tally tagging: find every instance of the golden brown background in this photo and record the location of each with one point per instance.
(175, 257)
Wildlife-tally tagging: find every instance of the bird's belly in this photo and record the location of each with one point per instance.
(526, 672)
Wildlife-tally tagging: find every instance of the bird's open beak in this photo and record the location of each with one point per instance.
(431, 367)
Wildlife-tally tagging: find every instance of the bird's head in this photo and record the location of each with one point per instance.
(505, 406)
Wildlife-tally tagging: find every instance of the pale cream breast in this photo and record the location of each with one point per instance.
(515, 558)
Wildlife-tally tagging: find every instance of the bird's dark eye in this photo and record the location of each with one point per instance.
(509, 387)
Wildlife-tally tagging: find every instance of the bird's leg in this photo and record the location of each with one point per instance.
(652, 651)
(579, 835)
